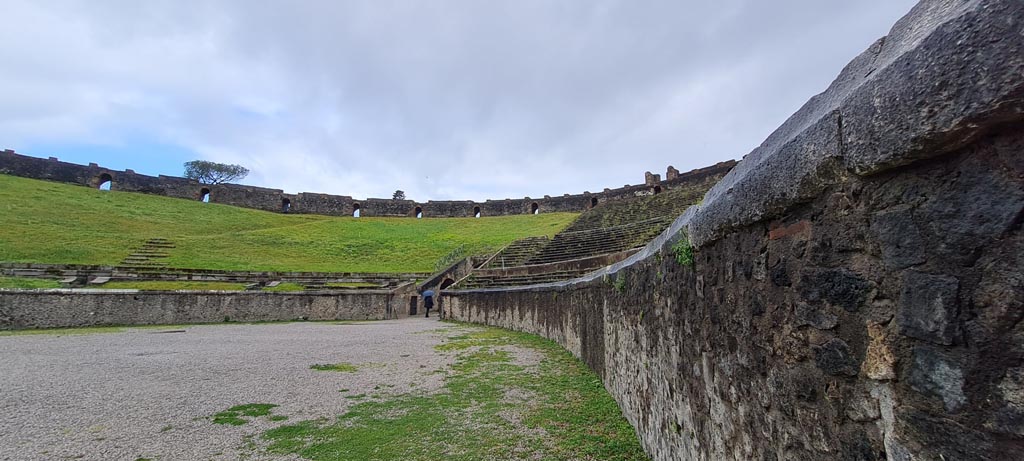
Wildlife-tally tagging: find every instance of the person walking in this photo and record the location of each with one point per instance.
(428, 301)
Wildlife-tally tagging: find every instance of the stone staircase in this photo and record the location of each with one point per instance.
(150, 255)
(517, 253)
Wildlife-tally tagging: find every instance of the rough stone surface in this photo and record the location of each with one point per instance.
(935, 375)
(928, 307)
(879, 360)
(1010, 418)
(835, 358)
(21, 309)
(898, 234)
(838, 287)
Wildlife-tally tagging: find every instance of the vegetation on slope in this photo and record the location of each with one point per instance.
(23, 282)
(49, 222)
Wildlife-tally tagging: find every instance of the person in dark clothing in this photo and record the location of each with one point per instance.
(428, 301)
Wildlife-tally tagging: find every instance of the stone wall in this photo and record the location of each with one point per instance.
(856, 289)
(21, 309)
(260, 198)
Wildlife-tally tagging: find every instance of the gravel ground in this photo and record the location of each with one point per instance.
(150, 393)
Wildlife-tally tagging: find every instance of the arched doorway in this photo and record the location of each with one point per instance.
(204, 195)
(104, 181)
(593, 202)
(657, 190)
(418, 212)
(476, 212)
(355, 210)
(286, 205)
(446, 283)
(534, 208)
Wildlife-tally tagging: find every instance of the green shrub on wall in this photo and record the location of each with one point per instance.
(683, 251)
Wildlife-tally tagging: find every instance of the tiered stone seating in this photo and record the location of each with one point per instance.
(609, 229)
(489, 281)
(518, 252)
(568, 246)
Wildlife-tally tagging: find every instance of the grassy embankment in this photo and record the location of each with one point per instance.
(47, 222)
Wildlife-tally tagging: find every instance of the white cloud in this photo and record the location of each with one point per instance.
(456, 99)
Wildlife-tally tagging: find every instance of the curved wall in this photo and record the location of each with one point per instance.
(276, 200)
(856, 290)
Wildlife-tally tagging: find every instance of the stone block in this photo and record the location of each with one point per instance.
(815, 317)
(934, 375)
(928, 307)
(900, 238)
(879, 361)
(835, 358)
(838, 287)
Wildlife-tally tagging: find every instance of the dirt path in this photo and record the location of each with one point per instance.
(150, 393)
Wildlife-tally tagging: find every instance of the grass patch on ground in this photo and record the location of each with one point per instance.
(48, 222)
(351, 285)
(27, 283)
(343, 367)
(285, 287)
(490, 408)
(235, 416)
(353, 322)
(171, 285)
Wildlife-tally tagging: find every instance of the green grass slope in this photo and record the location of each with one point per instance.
(47, 222)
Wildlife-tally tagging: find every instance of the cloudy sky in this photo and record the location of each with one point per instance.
(445, 99)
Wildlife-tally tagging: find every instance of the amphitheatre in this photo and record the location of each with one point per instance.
(850, 289)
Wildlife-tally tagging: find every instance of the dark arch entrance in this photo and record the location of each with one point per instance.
(286, 205)
(476, 212)
(204, 195)
(534, 208)
(657, 189)
(593, 202)
(418, 212)
(104, 181)
(446, 283)
(355, 210)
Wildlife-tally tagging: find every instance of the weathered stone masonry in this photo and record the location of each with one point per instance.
(21, 309)
(334, 205)
(857, 290)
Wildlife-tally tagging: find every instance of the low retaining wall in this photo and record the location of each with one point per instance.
(21, 309)
(855, 290)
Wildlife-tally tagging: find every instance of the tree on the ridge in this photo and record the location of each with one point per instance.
(208, 172)
(398, 195)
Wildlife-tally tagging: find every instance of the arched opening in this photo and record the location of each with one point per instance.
(657, 189)
(593, 202)
(534, 208)
(476, 212)
(413, 303)
(355, 210)
(104, 182)
(446, 283)
(419, 212)
(204, 195)
(286, 205)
